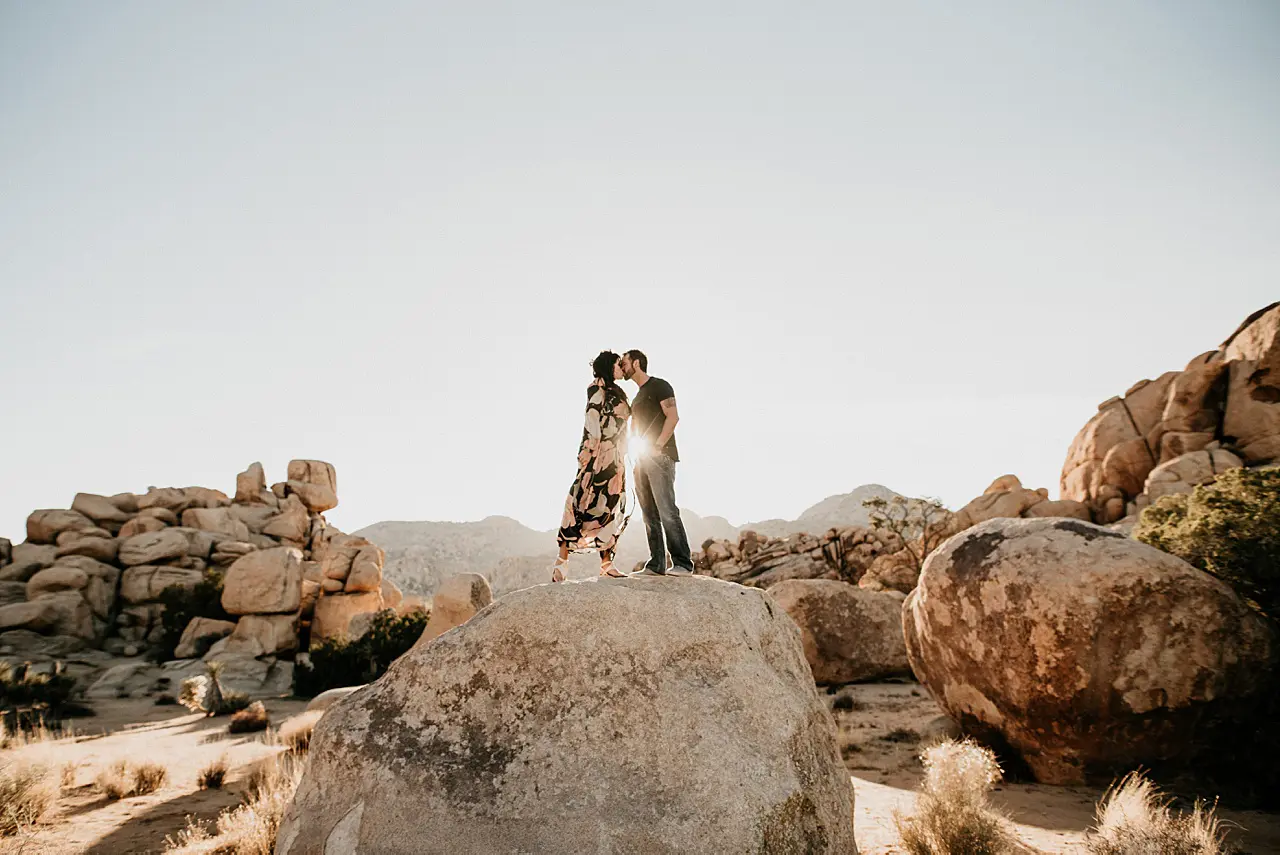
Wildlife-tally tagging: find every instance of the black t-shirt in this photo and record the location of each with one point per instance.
(647, 415)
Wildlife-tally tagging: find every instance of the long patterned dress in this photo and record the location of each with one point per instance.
(595, 511)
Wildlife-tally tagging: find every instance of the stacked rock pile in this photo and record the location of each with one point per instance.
(96, 571)
(1184, 428)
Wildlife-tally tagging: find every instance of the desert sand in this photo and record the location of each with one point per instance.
(878, 736)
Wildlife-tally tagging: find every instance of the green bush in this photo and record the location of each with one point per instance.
(337, 663)
(1230, 528)
(183, 604)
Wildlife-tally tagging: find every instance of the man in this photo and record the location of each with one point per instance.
(653, 421)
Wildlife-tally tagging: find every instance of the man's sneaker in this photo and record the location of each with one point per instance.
(679, 571)
(649, 572)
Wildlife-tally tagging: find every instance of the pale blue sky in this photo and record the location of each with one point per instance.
(908, 243)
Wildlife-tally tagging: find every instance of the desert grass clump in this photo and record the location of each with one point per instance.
(27, 792)
(1135, 819)
(295, 733)
(213, 776)
(148, 777)
(113, 781)
(953, 815)
(121, 780)
(250, 828)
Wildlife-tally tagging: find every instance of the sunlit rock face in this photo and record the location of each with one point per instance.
(1082, 650)
(655, 715)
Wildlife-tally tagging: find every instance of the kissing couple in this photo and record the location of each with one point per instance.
(595, 513)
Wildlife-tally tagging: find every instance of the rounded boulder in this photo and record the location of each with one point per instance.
(639, 715)
(1083, 651)
(849, 633)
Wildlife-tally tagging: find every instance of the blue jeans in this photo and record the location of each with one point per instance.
(656, 490)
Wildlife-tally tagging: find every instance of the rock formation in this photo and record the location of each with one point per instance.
(633, 715)
(1226, 402)
(96, 571)
(759, 561)
(869, 557)
(1084, 651)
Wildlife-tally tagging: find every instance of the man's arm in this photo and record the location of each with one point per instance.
(669, 426)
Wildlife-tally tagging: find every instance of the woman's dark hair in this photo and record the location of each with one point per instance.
(602, 367)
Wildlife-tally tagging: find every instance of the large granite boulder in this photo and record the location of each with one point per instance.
(26, 560)
(1252, 418)
(141, 524)
(1110, 458)
(1194, 409)
(60, 613)
(199, 636)
(849, 633)
(1183, 473)
(217, 521)
(316, 472)
(316, 497)
(268, 581)
(1082, 650)
(44, 526)
(154, 547)
(102, 582)
(333, 613)
(290, 522)
(251, 484)
(144, 583)
(93, 543)
(639, 715)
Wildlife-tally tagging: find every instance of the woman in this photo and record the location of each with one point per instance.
(595, 512)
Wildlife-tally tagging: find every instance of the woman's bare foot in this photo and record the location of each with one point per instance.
(557, 570)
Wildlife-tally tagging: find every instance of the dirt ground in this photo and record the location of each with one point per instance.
(879, 735)
(138, 730)
(880, 751)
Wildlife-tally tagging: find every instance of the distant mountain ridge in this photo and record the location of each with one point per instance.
(421, 555)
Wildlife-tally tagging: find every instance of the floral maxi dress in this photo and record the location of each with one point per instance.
(595, 511)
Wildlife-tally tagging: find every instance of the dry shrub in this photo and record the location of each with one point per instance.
(953, 815)
(69, 770)
(249, 829)
(295, 733)
(211, 777)
(1135, 819)
(113, 781)
(27, 792)
(250, 719)
(149, 777)
(121, 781)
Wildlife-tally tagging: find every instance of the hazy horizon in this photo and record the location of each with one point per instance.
(908, 244)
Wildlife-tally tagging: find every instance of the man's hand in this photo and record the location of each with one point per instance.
(669, 426)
